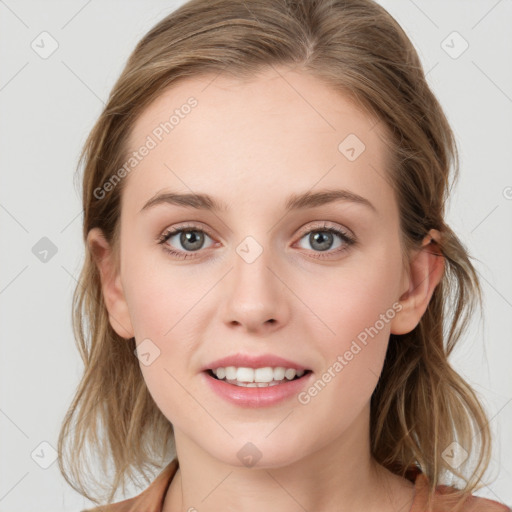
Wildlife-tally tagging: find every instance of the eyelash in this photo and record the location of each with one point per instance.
(346, 238)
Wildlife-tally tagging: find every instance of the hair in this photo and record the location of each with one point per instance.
(421, 404)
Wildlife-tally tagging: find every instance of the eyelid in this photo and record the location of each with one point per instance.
(325, 224)
(342, 232)
(192, 226)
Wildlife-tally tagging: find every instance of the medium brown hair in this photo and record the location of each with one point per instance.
(421, 404)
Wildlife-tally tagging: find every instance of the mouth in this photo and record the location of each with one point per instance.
(260, 378)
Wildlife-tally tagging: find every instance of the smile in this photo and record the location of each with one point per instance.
(256, 377)
(257, 387)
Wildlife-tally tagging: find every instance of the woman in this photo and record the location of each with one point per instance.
(269, 278)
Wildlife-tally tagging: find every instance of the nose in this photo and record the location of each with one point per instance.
(254, 296)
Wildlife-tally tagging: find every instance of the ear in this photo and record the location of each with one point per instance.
(426, 270)
(112, 289)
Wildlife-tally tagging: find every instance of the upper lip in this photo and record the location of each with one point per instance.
(253, 361)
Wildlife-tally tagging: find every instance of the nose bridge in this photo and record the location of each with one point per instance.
(255, 294)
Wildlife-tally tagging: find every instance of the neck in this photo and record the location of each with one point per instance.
(340, 476)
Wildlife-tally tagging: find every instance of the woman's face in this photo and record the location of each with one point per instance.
(260, 278)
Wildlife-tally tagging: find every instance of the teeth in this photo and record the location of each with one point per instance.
(230, 373)
(245, 375)
(279, 373)
(254, 384)
(262, 374)
(256, 377)
(290, 373)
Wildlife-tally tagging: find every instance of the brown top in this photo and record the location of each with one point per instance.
(152, 499)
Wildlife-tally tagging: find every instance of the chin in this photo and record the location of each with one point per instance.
(248, 451)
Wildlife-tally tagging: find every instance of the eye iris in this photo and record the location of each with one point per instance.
(193, 238)
(324, 238)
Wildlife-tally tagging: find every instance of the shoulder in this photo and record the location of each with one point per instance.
(445, 499)
(150, 500)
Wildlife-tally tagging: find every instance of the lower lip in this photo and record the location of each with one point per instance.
(257, 397)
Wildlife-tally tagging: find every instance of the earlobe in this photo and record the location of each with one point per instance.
(425, 272)
(112, 290)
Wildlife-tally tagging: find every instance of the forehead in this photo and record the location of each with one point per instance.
(277, 133)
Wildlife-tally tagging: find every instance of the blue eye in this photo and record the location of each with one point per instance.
(192, 238)
(323, 239)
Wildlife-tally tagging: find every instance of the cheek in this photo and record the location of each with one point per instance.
(353, 357)
(159, 294)
(357, 305)
(353, 298)
(165, 386)
(161, 302)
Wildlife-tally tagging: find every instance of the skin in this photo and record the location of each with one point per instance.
(252, 144)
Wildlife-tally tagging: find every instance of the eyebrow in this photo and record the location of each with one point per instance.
(294, 202)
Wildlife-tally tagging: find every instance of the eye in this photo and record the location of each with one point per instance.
(322, 238)
(191, 239)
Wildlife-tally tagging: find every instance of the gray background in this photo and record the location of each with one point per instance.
(48, 107)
